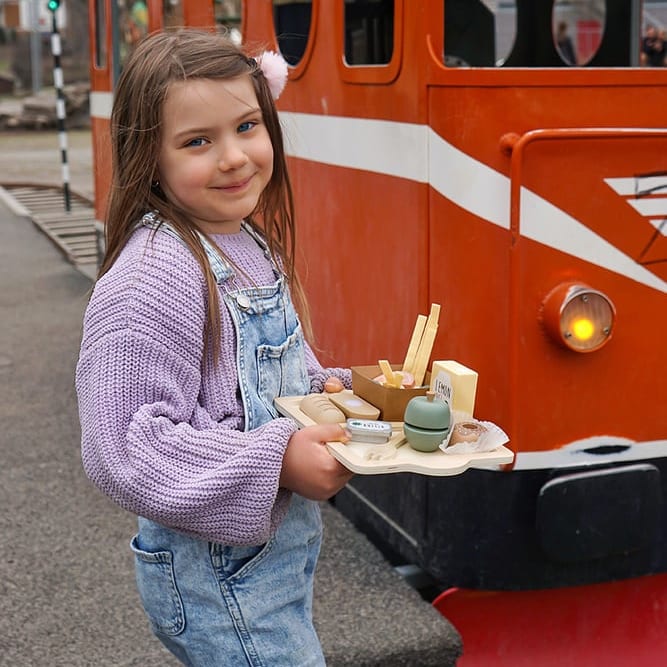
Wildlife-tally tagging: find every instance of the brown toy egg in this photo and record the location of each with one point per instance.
(333, 385)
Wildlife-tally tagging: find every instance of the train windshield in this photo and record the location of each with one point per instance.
(555, 33)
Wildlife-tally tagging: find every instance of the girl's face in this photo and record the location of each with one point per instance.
(215, 154)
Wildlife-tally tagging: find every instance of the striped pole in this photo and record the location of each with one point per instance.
(58, 82)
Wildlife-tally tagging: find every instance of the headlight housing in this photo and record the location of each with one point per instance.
(579, 317)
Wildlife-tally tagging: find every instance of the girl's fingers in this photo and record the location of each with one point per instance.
(335, 432)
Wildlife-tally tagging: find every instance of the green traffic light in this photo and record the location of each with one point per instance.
(52, 5)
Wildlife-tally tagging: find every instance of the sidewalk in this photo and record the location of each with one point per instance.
(67, 594)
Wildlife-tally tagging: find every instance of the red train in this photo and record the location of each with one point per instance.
(458, 152)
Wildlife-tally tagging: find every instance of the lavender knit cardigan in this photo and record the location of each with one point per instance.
(162, 433)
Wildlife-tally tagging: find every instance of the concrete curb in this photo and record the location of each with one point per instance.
(14, 206)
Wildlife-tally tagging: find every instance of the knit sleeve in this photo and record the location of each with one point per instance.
(147, 440)
(318, 375)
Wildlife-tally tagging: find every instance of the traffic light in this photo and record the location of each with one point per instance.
(52, 5)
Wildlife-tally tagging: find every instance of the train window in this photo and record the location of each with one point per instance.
(132, 25)
(100, 34)
(653, 47)
(470, 32)
(544, 33)
(369, 32)
(291, 20)
(504, 30)
(228, 17)
(577, 29)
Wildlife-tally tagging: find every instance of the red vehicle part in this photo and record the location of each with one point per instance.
(614, 624)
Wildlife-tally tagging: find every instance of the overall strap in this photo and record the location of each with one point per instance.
(261, 241)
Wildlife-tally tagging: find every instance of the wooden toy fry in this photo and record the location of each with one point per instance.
(389, 375)
(426, 345)
(413, 346)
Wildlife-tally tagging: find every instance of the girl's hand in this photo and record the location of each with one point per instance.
(308, 467)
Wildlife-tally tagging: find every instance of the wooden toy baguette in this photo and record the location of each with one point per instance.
(321, 410)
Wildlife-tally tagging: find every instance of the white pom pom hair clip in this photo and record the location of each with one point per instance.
(274, 68)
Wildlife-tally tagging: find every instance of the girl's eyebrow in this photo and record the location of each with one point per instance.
(251, 112)
(189, 131)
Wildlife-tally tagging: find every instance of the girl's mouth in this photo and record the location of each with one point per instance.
(234, 187)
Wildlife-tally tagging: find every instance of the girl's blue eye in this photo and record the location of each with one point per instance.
(248, 125)
(199, 141)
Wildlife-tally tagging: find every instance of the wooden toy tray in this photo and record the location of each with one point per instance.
(396, 455)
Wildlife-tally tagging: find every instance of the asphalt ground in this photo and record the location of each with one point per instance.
(67, 595)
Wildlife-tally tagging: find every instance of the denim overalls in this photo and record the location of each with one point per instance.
(215, 605)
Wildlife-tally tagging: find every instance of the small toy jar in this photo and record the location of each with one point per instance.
(426, 422)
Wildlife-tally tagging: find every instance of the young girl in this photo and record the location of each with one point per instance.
(189, 335)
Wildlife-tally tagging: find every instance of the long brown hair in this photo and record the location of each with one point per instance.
(136, 120)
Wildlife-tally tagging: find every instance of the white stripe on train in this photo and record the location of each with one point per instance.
(418, 153)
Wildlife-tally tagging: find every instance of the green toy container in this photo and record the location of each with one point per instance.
(426, 422)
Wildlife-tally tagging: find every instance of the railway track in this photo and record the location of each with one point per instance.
(74, 232)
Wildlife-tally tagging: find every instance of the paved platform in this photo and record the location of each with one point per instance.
(67, 597)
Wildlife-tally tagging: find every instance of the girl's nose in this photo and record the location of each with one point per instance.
(232, 156)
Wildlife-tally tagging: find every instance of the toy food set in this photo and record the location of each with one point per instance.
(401, 418)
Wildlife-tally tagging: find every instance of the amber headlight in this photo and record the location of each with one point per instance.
(579, 317)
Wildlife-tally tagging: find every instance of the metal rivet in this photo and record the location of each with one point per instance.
(243, 301)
